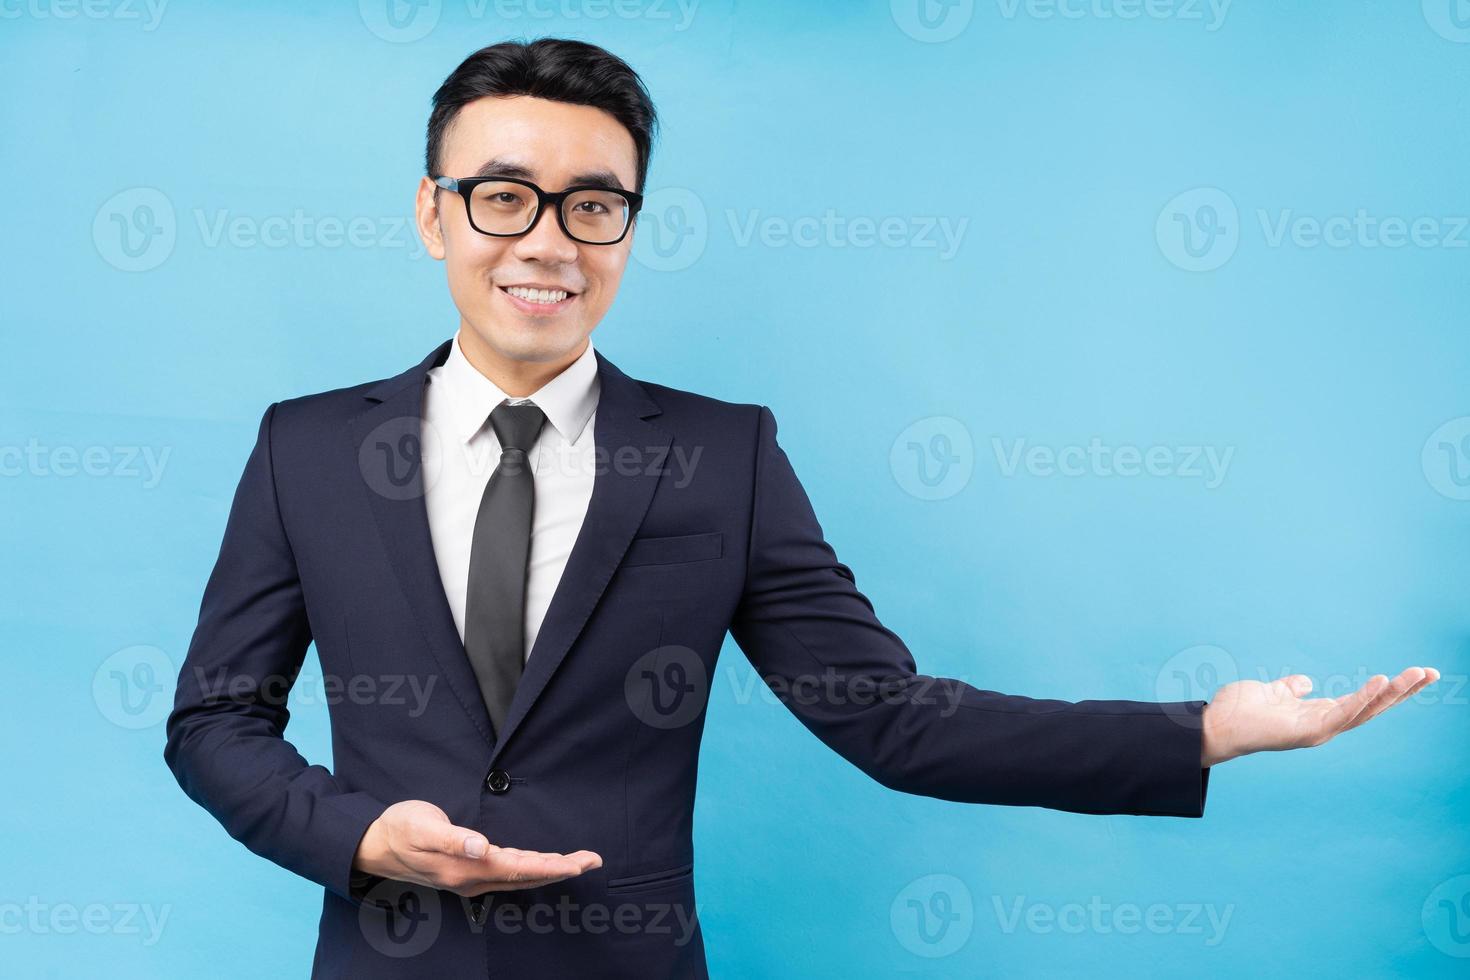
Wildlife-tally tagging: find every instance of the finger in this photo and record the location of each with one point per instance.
(1430, 675)
(584, 860)
(447, 839)
(498, 872)
(1406, 684)
(1349, 706)
(1397, 690)
(1386, 696)
(530, 865)
(1292, 687)
(482, 888)
(1386, 693)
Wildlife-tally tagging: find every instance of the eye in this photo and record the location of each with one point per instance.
(597, 206)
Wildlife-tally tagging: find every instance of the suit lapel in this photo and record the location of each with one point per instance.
(630, 454)
(386, 445)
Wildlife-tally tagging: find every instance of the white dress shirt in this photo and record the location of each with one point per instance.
(460, 451)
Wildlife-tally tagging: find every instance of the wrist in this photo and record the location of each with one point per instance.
(1214, 746)
(372, 851)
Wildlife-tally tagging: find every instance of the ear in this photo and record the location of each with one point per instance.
(427, 217)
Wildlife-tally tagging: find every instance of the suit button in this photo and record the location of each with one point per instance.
(477, 913)
(498, 781)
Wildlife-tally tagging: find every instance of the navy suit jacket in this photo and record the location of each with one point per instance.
(328, 541)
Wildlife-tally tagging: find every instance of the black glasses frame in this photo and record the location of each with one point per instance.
(465, 186)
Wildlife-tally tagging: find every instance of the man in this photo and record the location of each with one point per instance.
(552, 553)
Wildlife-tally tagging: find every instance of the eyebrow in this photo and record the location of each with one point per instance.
(499, 167)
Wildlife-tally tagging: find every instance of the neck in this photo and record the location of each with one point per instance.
(516, 378)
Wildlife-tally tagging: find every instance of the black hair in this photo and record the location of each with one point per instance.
(553, 68)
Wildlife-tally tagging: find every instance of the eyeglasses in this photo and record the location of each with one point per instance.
(506, 207)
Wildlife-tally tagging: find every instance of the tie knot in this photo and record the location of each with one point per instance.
(517, 426)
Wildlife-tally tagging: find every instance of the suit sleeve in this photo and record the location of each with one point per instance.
(226, 734)
(814, 639)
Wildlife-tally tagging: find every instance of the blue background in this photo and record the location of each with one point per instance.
(1101, 288)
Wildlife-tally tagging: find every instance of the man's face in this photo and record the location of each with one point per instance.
(554, 145)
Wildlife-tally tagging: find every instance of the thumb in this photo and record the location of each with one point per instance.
(1296, 685)
(458, 842)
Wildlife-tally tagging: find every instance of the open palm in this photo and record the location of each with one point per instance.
(1255, 716)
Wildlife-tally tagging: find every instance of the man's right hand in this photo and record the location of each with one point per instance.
(414, 841)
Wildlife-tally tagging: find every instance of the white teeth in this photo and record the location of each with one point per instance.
(537, 295)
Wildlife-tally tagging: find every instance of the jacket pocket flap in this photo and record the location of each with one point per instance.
(650, 879)
(679, 547)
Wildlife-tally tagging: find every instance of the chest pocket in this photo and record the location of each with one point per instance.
(677, 548)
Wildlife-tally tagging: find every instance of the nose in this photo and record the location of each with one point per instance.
(546, 242)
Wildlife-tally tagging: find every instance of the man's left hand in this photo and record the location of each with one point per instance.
(1252, 716)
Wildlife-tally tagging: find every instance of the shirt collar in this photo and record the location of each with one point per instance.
(568, 399)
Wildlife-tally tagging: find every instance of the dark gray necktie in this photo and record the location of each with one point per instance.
(494, 622)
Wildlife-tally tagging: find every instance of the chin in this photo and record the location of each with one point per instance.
(531, 342)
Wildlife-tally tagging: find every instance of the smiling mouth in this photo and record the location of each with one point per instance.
(539, 297)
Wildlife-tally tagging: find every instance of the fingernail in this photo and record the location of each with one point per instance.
(474, 847)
